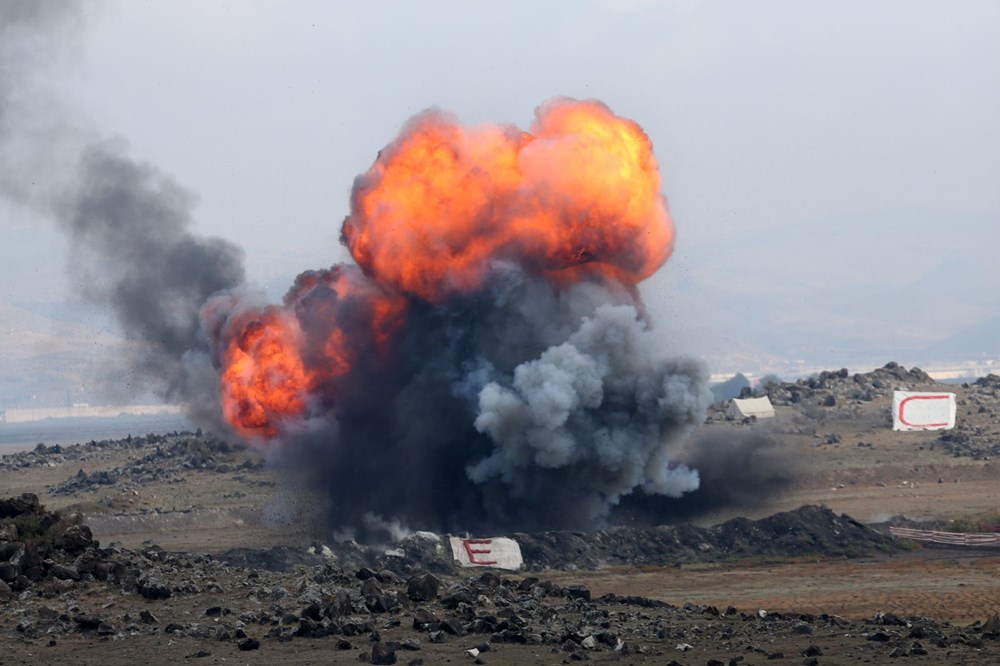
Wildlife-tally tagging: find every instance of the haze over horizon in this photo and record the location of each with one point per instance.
(831, 169)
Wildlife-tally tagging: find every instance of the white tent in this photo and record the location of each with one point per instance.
(760, 408)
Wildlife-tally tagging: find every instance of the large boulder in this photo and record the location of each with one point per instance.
(423, 587)
(75, 539)
(151, 587)
(13, 507)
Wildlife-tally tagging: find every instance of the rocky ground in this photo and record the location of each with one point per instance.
(833, 395)
(182, 548)
(59, 589)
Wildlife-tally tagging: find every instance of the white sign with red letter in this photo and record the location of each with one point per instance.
(923, 411)
(495, 553)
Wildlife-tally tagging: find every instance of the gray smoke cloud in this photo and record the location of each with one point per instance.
(601, 403)
(134, 254)
(737, 468)
(131, 248)
(524, 406)
(34, 134)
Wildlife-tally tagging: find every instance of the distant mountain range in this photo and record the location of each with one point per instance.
(911, 286)
(50, 361)
(984, 336)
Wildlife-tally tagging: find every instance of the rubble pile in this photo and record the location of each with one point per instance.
(39, 546)
(50, 554)
(169, 459)
(52, 570)
(837, 389)
(969, 441)
(839, 396)
(57, 583)
(57, 455)
(979, 441)
(806, 530)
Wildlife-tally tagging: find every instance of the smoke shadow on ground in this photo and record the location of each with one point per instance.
(738, 469)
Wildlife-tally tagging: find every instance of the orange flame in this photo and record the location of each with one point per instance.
(275, 357)
(263, 379)
(578, 195)
(444, 202)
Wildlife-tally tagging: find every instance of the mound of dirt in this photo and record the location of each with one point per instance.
(51, 553)
(57, 455)
(863, 399)
(808, 530)
(38, 546)
(170, 457)
(837, 387)
(976, 434)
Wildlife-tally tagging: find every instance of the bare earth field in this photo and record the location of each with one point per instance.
(919, 604)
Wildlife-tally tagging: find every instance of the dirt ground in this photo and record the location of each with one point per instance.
(868, 472)
(957, 585)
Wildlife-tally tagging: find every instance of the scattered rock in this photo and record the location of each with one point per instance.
(423, 587)
(382, 653)
(248, 644)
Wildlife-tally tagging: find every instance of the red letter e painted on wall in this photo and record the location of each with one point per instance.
(473, 552)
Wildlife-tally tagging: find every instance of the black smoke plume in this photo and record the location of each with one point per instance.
(523, 406)
(738, 468)
(134, 254)
(131, 248)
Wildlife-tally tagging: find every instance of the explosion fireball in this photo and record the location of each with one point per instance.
(487, 360)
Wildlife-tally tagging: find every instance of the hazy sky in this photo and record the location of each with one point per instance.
(763, 115)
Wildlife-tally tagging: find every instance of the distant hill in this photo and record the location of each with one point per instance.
(982, 339)
(47, 361)
(836, 291)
